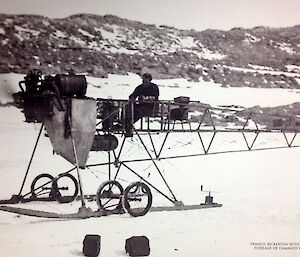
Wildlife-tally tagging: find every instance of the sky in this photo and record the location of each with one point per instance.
(187, 14)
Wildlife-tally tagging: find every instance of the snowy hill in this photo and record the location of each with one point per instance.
(102, 45)
(259, 190)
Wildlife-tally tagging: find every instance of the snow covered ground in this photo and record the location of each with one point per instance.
(259, 190)
(118, 86)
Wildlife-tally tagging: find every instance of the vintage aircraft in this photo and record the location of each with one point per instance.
(77, 124)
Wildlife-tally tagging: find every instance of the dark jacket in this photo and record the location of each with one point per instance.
(145, 90)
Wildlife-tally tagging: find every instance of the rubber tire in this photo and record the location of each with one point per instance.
(65, 199)
(32, 189)
(126, 204)
(104, 184)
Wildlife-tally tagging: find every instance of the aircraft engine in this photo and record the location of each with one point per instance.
(59, 102)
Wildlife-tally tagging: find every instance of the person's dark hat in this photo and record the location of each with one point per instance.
(147, 76)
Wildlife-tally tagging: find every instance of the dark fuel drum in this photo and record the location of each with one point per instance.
(104, 143)
(70, 85)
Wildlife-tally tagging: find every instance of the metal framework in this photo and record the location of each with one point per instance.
(207, 122)
(171, 117)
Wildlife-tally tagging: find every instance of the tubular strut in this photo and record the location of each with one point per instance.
(158, 153)
(163, 144)
(31, 158)
(173, 201)
(152, 143)
(206, 113)
(247, 143)
(211, 153)
(287, 141)
(256, 132)
(77, 166)
(117, 158)
(210, 142)
(157, 168)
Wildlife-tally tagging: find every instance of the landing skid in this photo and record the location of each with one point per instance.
(84, 212)
(184, 207)
(19, 199)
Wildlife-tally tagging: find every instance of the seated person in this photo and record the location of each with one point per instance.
(147, 93)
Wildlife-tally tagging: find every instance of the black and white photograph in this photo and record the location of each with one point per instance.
(150, 128)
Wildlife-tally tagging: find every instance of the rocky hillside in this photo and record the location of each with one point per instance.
(98, 45)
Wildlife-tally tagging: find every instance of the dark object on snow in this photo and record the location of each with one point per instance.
(209, 199)
(137, 246)
(181, 112)
(182, 100)
(91, 245)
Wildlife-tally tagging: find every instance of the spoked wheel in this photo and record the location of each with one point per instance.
(137, 199)
(109, 195)
(41, 186)
(65, 188)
